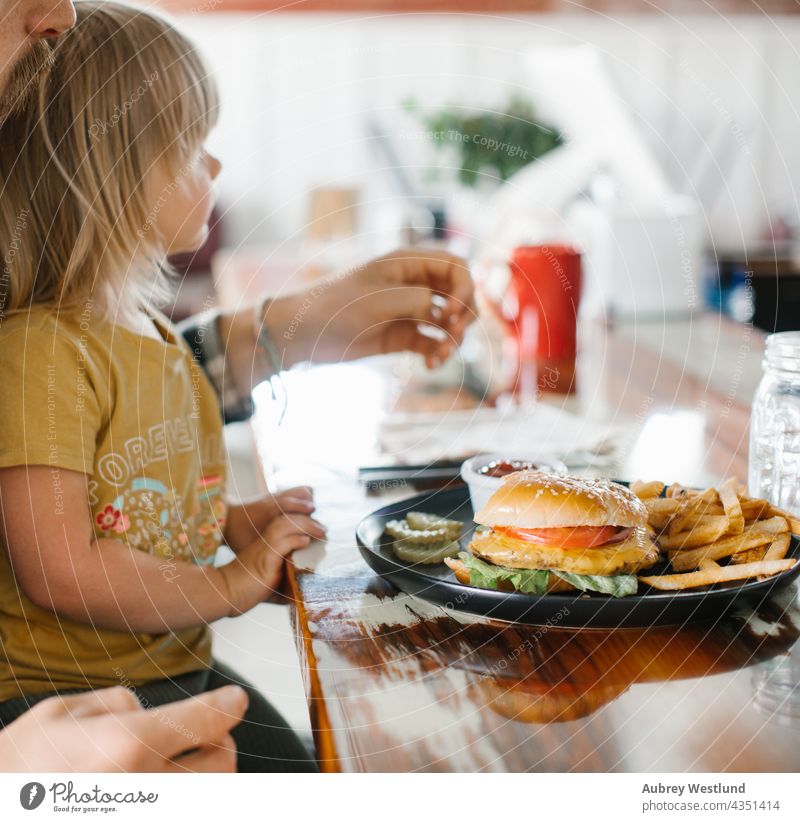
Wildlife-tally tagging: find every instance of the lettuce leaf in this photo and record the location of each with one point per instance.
(485, 575)
(621, 585)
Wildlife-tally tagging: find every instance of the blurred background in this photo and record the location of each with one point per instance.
(346, 133)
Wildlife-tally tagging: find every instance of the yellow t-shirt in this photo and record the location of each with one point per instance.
(140, 419)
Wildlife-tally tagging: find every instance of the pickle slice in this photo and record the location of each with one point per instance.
(424, 538)
(425, 555)
(418, 521)
(399, 529)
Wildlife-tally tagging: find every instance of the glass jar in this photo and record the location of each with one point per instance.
(774, 466)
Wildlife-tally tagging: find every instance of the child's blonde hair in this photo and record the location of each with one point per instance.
(126, 93)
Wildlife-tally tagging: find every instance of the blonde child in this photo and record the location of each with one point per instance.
(112, 468)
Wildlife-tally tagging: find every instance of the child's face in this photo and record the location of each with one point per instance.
(181, 202)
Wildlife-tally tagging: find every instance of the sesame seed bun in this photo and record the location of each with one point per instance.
(533, 499)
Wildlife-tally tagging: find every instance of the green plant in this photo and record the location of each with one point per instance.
(501, 142)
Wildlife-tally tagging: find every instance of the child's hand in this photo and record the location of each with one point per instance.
(246, 523)
(257, 571)
(297, 500)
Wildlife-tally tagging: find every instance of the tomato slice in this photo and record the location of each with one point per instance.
(581, 536)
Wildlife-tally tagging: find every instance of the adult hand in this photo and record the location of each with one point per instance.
(387, 305)
(108, 731)
(390, 304)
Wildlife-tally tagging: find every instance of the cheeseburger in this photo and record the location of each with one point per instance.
(545, 533)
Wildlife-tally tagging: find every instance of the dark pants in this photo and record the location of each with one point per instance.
(264, 740)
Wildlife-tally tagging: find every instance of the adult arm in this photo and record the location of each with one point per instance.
(379, 308)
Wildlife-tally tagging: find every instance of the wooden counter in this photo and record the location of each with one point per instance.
(395, 683)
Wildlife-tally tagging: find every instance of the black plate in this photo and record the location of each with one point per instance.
(438, 584)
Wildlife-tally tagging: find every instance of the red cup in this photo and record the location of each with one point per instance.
(546, 282)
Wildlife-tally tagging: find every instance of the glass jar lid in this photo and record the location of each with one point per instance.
(783, 351)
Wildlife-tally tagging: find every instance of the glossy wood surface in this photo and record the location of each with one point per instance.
(395, 683)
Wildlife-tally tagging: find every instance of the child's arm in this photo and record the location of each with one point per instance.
(247, 521)
(60, 565)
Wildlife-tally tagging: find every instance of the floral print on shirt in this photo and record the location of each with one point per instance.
(151, 517)
(112, 519)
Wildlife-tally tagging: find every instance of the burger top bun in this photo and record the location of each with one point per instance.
(532, 499)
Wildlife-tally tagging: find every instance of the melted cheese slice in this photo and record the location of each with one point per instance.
(626, 557)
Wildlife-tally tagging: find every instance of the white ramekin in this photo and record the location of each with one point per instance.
(481, 487)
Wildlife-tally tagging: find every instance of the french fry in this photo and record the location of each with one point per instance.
(699, 520)
(730, 503)
(773, 525)
(688, 508)
(794, 522)
(751, 555)
(658, 522)
(702, 521)
(754, 508)
(710, 575)
(676, 490)
(759, 533)
(662, 505)
(697, 528)
(659, 511)
(647, 490)
(705, 531)
(780, 547)
(751, 508)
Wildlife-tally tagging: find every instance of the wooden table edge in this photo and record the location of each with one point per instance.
(320, 722)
